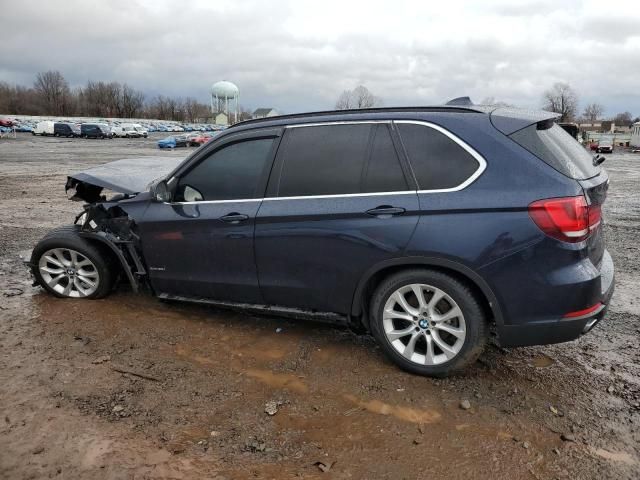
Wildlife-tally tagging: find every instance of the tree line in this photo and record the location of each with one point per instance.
(563, 99)
(51, 95)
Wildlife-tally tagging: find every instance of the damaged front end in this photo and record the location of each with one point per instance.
(113, 227)
(111, 193)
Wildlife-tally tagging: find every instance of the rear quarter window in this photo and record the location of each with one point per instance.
(551, 144)
(438, 162)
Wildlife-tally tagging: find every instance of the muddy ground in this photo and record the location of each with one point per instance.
(193, 402)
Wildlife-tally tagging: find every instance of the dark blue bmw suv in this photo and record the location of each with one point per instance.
(424, 226)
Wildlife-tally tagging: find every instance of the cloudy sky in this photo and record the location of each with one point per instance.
(299, 55)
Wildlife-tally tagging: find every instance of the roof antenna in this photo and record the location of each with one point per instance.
(460, 101)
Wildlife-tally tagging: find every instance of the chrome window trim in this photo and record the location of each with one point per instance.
(482, 163)
(301, 197)
(342, 122)
(244, 200)
(343, 195)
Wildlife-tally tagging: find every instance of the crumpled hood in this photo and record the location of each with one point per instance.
(129, 176)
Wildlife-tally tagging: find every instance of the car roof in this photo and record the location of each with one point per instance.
(505, 119)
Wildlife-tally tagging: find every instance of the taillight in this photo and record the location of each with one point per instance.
(569, 219)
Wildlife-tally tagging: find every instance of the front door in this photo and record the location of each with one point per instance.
(200, 245)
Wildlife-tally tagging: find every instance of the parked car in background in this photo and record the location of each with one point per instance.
(24, 128)
(167, 142)
(95, 130)
(605, 145)
(173, 141)
(66, 130)
(593, 145)
(199, 138)
(142, 131)
(44, 128)
(426, 226)
(125, 130)
(7, 122)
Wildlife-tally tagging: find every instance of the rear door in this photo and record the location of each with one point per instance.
(339, 201)
(201, 243)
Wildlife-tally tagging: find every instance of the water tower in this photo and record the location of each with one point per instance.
(223, 93)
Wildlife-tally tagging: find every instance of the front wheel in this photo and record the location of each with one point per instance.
(428, 322)
(69, 266)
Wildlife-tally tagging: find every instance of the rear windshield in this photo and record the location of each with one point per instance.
(550, 143)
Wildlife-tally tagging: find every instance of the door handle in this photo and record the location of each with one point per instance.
(385, 211)
(234, 217)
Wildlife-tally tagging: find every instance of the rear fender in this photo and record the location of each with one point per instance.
(358, 306)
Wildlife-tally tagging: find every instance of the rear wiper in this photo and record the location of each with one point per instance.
(598, 159)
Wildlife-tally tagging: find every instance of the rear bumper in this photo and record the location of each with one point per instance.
(560, 330)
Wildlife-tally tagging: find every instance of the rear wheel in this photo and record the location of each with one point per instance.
(67, 265)
(428, 322)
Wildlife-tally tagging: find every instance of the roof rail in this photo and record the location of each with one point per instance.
(325, 113)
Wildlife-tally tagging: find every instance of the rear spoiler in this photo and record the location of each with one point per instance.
(509, 120)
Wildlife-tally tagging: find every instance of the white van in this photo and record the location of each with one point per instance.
(43, 128)
(141, 130)
(125, 130)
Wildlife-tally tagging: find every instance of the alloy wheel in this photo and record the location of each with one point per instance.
(424, 324)
(68, 272)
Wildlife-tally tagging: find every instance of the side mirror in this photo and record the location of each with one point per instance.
(160, 191)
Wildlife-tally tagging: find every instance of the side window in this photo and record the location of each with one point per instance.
(383, 172)
(323, 160)
(437, 161)
(233, 172)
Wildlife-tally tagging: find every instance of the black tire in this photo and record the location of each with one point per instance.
(67, 237)
(477, 329)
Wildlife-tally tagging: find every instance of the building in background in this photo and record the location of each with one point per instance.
(265, 112)
(635, 135)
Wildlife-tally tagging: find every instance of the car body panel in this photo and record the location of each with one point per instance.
(129, 176)
(189, 251)
(311, 252)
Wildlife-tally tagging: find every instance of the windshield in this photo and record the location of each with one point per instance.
(558, 149)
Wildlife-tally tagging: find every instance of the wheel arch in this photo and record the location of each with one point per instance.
(104, 241)
(378, 272)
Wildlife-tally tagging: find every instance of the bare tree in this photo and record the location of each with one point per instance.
(592, 112)
(562, 99)
(194, 110)
(623, 119)
(53, 90)
(245, 113)
(359, 97)
(494, 103)
(131, 101)
(344, 101)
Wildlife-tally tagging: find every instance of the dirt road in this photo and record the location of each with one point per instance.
(129, 387)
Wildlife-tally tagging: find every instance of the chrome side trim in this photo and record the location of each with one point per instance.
(301, 197)
(482, 163)
(215, 201)
(343, 122)
(343, 195)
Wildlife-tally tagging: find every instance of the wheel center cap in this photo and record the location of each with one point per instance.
(423, 323)
(71, 271)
